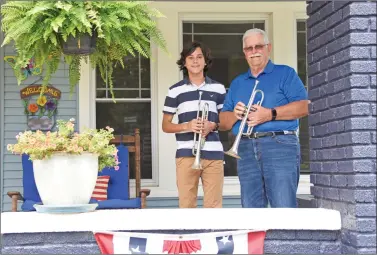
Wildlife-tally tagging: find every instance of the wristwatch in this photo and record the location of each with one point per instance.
(216, 127)
(273, 111)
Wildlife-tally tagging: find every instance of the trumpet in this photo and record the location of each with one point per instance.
(233, 151)
(198, 146)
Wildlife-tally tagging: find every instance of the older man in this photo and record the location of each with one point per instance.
(269, 168)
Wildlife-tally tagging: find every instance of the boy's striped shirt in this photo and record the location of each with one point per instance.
(183, 99)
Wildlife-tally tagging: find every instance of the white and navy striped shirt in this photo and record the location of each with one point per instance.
(183, 99)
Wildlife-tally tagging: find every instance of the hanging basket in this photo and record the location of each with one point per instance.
(83, 44)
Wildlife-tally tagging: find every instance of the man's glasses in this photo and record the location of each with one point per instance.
(258, 47)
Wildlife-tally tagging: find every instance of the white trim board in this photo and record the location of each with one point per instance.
(171, 219)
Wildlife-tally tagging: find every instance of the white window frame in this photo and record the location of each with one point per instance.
(304, 185)
(87, 109)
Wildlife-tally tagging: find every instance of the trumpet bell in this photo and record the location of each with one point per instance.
(197, 165)
(232, 153)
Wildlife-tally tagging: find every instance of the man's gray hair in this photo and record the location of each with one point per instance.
(255, 31)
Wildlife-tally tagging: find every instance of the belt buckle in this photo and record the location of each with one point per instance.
(252, 136)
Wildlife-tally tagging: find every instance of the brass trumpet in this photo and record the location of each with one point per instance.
(198, 146)
(233, 151)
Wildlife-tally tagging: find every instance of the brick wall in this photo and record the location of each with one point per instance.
(277, 242)
(342, 121)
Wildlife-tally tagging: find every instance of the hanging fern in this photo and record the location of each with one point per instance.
(39, 28)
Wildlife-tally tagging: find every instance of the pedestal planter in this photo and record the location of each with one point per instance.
(66, 179)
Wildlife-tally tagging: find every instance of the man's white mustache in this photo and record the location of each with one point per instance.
(256, 55)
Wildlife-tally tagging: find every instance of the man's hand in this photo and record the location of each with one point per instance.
(208, 126)
(239, 110)
(258, 116)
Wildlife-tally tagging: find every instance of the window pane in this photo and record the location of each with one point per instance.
(127, 77)
(228, 58)
(301, 26)
(124, 118)
(145, 72)
(187, 27)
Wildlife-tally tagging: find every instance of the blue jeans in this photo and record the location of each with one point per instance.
(269, 171)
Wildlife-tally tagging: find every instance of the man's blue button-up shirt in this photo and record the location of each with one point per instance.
(281, 85)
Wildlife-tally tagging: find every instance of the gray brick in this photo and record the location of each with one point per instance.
(334, 19)
(358, 240)
(327, 63)
(315, 118)
(358, 196)
(352, 24)
(336, 126)
(361, 38)
(318, 54)
(327, 115)
(354, 81)
(360, 124)
(350, 138)
(362, 151)
(280, 235)
(329, 167)
(359, 66)
(359, 224)
(373, 109)
(373, 24)
(357, 166)
(318, 79)
(312, 178)
(331, 193)
(289, 247)
(326, 38)
(322, 179)
(339, 180)
(316, 235)
(315, 143)
(315, 167)
(359, 9)
(343, 207)
(316, 191)
(314, 93)
(317, 29)
(315, 6)
(374, 137)
(314, 68)
(320, 104)
(339, 5)
(360, 95)
(329, 141)
(354, 109)
(330, 248)
(373, 81)
(351, 53)
(323, 203)
(362, 180)
(312, 155)
(373, 52)
(366, 251)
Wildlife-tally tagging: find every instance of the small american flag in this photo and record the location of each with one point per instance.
(230, 242)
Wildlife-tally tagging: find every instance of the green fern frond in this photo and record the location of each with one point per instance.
(38, 29)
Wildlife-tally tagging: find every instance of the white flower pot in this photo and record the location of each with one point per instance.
(66, 179)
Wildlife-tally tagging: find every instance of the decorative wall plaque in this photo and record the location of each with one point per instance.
(40, 110)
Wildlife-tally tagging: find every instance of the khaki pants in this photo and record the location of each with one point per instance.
(212, 177)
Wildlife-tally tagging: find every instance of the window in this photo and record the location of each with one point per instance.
(132, 109)
(302, 73)
(225, 41)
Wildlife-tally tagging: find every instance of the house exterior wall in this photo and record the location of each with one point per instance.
(342, 89)
(13, 120)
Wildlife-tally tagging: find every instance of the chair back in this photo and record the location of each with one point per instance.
(30, 191)
(119, 179)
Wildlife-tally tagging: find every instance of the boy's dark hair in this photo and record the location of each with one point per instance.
(188, 49)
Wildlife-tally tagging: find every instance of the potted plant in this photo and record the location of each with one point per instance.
(107, 30)
(66, 163)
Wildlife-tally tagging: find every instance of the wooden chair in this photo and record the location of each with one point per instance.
(131, 142)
